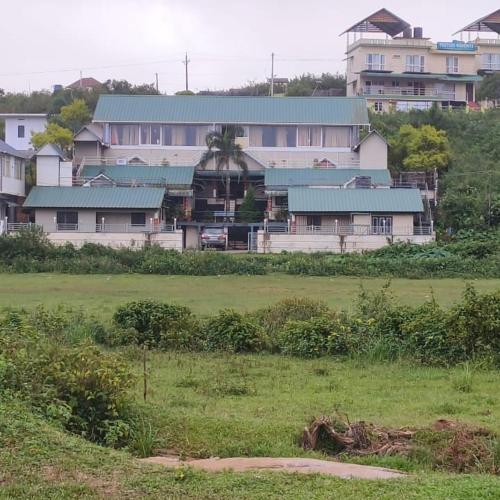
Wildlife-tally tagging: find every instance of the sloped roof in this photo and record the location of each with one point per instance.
(172, 176)
(232, 110)
(286, 177)
(490, 23)
(50, 150)
(5, 148)
(367, 136)
(382, 21)
(85, 83)
(94, 197)
(381, 200)
(93, 129)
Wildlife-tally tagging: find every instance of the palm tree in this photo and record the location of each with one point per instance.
(223, 149)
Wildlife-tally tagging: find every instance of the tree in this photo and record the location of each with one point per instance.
(75, 115)
(324, 84)
(53, 134)
(423, 148)
(248, 209)
(125, 87)
(490, 88)
(223, 149)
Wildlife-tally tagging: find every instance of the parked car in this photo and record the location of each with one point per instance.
(213, 237)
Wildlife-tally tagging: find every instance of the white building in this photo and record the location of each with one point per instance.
(20, 126)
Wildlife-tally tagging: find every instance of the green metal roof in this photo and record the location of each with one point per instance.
(170, 176)
(424, 76)
(284, 177)
(94, 197)
(230, 109)
(354, 200)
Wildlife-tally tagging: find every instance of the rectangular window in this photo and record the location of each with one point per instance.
(314, 220)
(145, 134)
(20, 131)
(415, 64)
(291, 137)
(67, 221)
(310, 136)
(491, 61)
(138, 218)
(452, 64)
(375, 62)
(378, 106)
(381, 225)
(167, 135)
(269, 137)
(336, 137)
(125, 135)
(191, 135)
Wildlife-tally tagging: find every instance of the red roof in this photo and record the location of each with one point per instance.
(86, 83)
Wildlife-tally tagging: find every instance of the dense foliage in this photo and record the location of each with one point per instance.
(467, 254)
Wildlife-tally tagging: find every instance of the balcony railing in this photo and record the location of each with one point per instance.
(490, 66)
(349, 230)
(409, 91)
(95, 228)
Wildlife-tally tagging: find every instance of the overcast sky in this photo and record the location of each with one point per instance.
(229, 42)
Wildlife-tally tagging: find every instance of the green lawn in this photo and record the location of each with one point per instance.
(100, 294)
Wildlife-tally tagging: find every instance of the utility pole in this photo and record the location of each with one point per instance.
(186, 62)
(81, 83)
(156, 75)
(272, 75)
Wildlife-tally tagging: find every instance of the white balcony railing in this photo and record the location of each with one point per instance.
(96, 228)
(349, 230)
(409, 91)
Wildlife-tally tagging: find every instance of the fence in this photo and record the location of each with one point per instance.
(96, 228)
(349, 230)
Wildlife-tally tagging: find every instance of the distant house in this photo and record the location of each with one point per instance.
(12, 189)
(20, 126)
(87, 84)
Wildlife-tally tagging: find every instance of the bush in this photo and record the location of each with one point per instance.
(315, 337)
(231, 331)
(156, 324)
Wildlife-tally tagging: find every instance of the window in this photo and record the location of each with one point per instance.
(310, 136)
(415, 64)
(382, 225)
(378, 106)
(314, 220)
(167, 135)
(336, 137)
(417, 105)
(150, 134)
(269, 137)
(125, 135)
(491, 61)
(375, 62)
(17, 168)
(20, 131)
(67, 221)
(138, 218)
(452, 64)
(190, 135)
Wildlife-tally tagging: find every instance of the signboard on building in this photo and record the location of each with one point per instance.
(457, 45)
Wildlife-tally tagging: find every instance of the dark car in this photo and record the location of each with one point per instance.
(213, 237)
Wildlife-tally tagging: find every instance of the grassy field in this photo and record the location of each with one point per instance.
(100, 294)
(250, 405)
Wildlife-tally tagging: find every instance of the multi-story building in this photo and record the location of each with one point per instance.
(20, 126)
(12, 190)
(396, 68)
(137, 179)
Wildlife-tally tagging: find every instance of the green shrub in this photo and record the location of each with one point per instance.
(315, 337)
(231, 331)
(156, 324)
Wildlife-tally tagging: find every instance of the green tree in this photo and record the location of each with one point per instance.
(75, 115)
(224, 150)
(490, 88)
(423, 148)
(309, 84)
(248, 209)
(53, 134)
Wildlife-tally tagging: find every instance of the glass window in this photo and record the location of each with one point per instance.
(491, 61)
(190, 135)
(20, 131)
(138, 218)
(452, 64)
(167, 135)
(314, 220)
(145, 134)
(155, 134)
(382, 225)
(375, 62)
(125, 135)
(67, 221)
(415, 64)
(269, 137)
(291, 137)
(310, 136)
(378, 106)
(336, 137)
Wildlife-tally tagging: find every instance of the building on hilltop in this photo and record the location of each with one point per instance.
(396, 68)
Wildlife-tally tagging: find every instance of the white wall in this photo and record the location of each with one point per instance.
(373, 153)
(31, 124)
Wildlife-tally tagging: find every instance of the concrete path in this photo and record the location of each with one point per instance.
(301, 465)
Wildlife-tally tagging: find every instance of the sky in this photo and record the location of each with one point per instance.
(228, 42)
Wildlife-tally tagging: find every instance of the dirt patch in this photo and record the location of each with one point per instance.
(298, 465)
(447, 444)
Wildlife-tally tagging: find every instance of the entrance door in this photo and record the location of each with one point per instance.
(469, 92)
